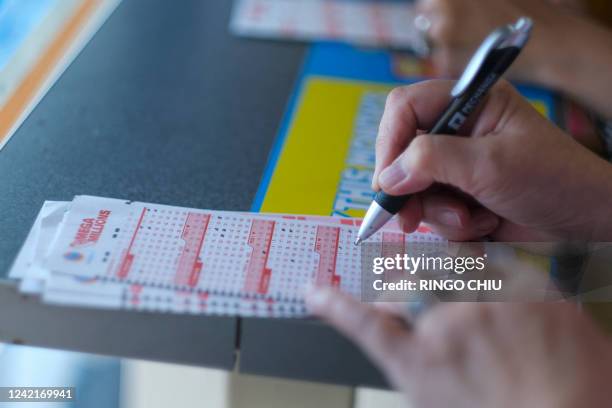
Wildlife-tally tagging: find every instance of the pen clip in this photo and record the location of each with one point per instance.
(512, 35)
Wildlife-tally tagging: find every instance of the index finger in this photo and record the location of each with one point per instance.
(408, 109)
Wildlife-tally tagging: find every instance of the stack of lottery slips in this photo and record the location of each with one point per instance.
(117, 254)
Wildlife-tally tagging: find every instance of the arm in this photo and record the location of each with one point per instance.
(577, 61)
(567, 51)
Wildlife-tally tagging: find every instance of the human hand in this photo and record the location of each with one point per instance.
(457, 27)
(516, 178)
(480, 354)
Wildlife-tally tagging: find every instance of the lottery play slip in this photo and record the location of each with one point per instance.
(110, 253)
(378, 23)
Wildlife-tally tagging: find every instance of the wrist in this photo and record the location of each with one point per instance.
(575, 61)
(555, 64)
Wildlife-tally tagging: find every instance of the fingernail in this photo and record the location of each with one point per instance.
(392, 175)
(486, 223)
(317, 298)
(449, 218)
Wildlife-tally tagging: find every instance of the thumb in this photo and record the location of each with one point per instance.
(383, 336)
(432, 158)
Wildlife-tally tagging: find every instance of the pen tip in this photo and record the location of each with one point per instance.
(358, 241)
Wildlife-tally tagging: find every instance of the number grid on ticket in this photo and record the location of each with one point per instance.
(121, 254)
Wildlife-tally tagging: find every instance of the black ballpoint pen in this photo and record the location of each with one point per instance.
(494, 56)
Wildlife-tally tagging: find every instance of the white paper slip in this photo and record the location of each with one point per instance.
(381, 23)
(26, 254)
(110, 253)
(28, 265)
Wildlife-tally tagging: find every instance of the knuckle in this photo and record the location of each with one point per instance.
(503, 92)
(507, 100)
(396, 97)
(422, 152)
(503, 86)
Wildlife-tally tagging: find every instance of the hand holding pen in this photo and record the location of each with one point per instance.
(519, 177)
(491, 60)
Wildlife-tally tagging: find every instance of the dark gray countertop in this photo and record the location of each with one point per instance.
(163, 106)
